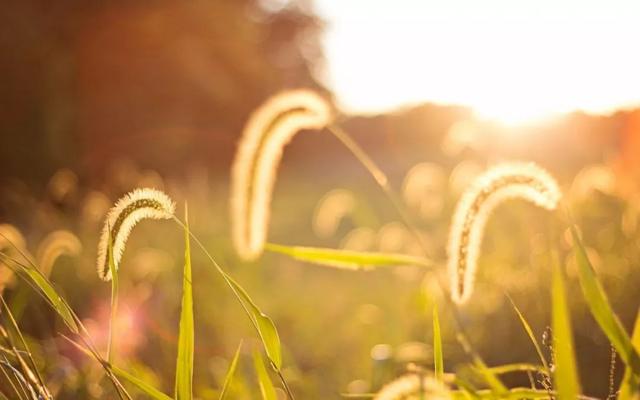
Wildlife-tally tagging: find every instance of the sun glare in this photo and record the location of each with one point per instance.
(510, 62)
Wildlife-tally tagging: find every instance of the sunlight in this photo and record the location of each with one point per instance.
(510, 63)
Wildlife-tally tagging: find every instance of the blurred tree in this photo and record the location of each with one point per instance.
(163, 83)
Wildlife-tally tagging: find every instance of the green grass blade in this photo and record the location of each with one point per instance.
(630, 385)
(438, 363)
(518, 367)
(184, 360)
(267, 390)
(61, 307)
(265, 326)
(114, 301)
(601, 310)
(346, 259)
(529, 331)
(565, 373)
(261, 322)
(46, 290)
(230, 373)
(140, 384)
(497, 387)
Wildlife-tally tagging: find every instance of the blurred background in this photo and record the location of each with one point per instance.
(99, 98)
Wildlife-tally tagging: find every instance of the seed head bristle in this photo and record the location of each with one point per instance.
(54, 245)
(127, 212)
(506, 181)
(11, 237)
(13, 242)
(330, 210)
(253, 175)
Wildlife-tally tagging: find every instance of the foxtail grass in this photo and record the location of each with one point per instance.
(123, 217)
(506, 181)
(330, 210)
(253, 175)
(11, 241)
(55, 245)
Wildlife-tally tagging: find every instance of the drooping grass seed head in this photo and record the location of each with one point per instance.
(414, 386)
(253, 175)
(11, 238)
(361, 238)
(127, 212)
(12, 242)
(54, 245)
(506, 181)
(330, 211)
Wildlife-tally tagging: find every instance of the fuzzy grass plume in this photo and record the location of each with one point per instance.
(414, 386)
(11, 238)
(266, 133)
(330, 210)
(127, 212)
(13, 242)
(54, 245)
(506, 181)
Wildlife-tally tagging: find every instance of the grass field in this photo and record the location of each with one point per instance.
(339, 301)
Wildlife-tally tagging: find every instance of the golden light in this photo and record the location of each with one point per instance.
(510, 61)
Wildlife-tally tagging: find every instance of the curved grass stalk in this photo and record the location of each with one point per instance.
(383, 182)
(127, 212)
(55, 245)
(253, 174)
(507, 181)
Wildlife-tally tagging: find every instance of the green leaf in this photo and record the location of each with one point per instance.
(261, 322)
(184, 360)
(438, 363)
(140, 384)
(46, 289)
(264, 325)
(630, 385)
(529, 331)
(519, 367)
(230, 372)
(565, 374)
(266, 386)
(346, 259)
(601, 310)
(497, 387)
(114, 300)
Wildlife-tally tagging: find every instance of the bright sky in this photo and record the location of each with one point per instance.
(514, 61)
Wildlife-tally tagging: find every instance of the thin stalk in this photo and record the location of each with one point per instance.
(36, 377)
(13, 386)
(112, 320)
(86, 339)
(284, 382)
(381, 179)
(114, 301)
